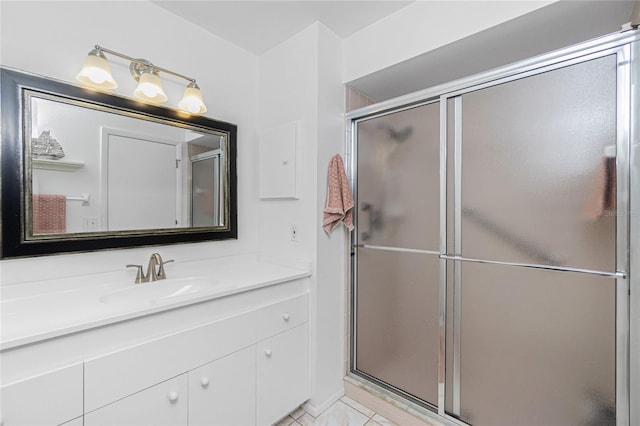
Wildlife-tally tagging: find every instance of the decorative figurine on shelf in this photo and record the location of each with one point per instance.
(44, 146)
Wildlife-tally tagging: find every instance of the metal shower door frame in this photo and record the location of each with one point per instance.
(623, 142)
(215, 154)
(352, 165)
(627, 47)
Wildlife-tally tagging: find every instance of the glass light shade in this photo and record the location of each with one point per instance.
(150, 88)
(192, 101)
(96, 72)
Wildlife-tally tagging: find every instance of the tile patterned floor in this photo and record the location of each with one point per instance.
(345, 412)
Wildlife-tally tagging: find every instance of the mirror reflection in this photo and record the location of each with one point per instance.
(91, 169)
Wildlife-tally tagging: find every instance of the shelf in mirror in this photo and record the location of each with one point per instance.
(62, 166)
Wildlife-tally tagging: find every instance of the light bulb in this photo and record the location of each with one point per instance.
(192, 104)
(96, 75)
(150, 88)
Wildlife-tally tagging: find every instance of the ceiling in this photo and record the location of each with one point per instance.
(257, 26)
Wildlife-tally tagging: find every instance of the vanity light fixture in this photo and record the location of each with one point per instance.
(192, 100)
(96, 73)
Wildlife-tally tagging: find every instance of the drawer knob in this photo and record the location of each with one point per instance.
(173, 397)
(286, 317)
(204, 382)
(267, 353)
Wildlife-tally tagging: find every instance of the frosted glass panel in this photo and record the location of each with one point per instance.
(397, 326)
(399, 179)
(537, 185)
(205, 192)
(537, 347)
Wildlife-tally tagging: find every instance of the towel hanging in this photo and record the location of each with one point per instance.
(49, 214)
(339, 205)
(602, 196)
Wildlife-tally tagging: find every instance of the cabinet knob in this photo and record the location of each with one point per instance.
(173, 397)
(267, 353)
(286, 317)
(204, 382)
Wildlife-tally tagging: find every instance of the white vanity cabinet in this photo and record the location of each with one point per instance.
(246, 369)
(223, 391)
(164, 404)
(235, 353)
(52, 398)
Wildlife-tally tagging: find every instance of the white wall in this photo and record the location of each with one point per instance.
(52, 38)
(421, 27)
(300, 82)
(288, 93)
(331, 254)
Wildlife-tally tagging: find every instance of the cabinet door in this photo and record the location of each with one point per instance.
(283, 374)
(164, 404)
(223, 391)
(49, 399)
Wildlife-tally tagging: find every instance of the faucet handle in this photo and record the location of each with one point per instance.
(161, 273)
(140, 277)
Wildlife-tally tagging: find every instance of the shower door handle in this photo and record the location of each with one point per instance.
(375, 220)
(365, 235)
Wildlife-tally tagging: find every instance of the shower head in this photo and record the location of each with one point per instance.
(397, 135)
(401, 135)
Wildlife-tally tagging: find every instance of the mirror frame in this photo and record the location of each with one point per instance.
(13, 170)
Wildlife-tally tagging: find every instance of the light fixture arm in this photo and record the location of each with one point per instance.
(142, 64)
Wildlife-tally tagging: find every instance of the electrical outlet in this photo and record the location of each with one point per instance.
(90, 223)
(293, 233)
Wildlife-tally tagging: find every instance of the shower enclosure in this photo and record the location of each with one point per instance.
(491, 258)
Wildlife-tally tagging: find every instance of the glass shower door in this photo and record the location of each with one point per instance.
(396, 259)
(205, 189)
(534, 290)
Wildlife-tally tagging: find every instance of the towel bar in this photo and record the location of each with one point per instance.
(617, 274)
(84, 198)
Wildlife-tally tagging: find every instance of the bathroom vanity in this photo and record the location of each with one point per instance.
(222, 341)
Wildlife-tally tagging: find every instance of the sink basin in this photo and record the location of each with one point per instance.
(157, 292)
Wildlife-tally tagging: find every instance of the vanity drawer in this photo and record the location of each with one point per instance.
(48, 399)
(164, 404)
(282, 316)
(122, 373)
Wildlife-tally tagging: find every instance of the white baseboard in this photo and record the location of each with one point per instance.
(316, 409)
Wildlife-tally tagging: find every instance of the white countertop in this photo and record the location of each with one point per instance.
(36, 311)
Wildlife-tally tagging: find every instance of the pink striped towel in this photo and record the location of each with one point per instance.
(339, 199)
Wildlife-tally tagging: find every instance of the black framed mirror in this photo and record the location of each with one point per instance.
(84, 170)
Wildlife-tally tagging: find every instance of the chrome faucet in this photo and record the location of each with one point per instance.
(155, 269)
